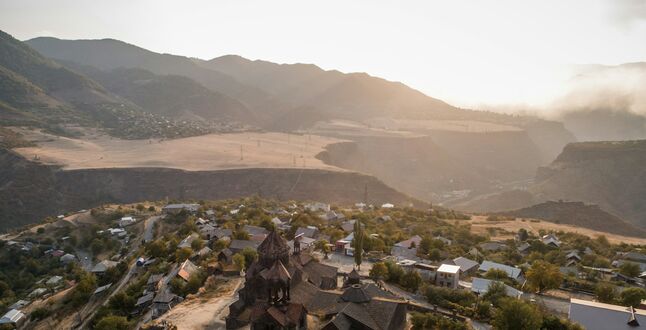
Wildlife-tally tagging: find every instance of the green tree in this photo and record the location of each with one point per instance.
(395, 272)
(39, 313)
(495, 293)
(605, 293)
(97, 246)
(411, 280)
(630, 269)
(379, 271)
(496, 274)
(523, 235)
(322, 246)
(435, 254)
(358, 243)
(632, 296)
(195, 282)
(197, 244)
(220, 245)
(113, 323)
(551, 322)
(514, 314)
(239, 261)
(482, 310)
(543, 276)
(140, 207)
(250, 255)
(183, 254)
(83, 290)
(241, 235)
(122, 303)
(156, 249)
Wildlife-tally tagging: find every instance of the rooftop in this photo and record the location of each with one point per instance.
(444, 268)
(599, 316)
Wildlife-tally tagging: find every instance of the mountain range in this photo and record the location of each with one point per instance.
(136, 93)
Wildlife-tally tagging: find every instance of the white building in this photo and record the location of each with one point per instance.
(448, 276)
(14, 317)
(126, 221)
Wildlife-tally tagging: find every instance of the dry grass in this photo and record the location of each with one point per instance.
(207, 152)
(479, 225)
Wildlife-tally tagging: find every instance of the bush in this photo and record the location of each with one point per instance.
(444, 297)
(113, 323)
(632, 296)
(39, 314)
(83, 290)
(516, 314)
(411, 281)
(434, 321)
(395, 272)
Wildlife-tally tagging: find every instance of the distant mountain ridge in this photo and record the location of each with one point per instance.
(168, 95)
(280, 96)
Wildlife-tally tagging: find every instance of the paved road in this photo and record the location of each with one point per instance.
(344, 263)
(557, 305)
(85, 259)
(149, 225)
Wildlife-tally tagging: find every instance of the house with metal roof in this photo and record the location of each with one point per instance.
(599, 316)
(512, 272)
(14, 317)
(480, 286)
(467, 266)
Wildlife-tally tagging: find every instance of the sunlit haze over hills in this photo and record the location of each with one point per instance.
(499, 55)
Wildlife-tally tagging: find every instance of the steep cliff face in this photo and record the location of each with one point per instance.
(610, 174)
(432, 167)
(30, 191)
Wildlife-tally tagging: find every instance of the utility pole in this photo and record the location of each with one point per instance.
(365, 194)
(241, 155)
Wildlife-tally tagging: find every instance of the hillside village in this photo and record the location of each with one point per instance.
(130, 266)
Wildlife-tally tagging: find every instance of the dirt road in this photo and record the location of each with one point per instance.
(205, 312)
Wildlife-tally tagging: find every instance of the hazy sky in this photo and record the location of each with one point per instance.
(468, 53)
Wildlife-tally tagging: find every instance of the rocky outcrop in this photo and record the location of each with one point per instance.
(610, 174)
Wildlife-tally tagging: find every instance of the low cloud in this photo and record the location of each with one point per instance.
(625, 13)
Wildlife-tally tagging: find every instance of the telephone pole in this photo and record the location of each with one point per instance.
(365, 194)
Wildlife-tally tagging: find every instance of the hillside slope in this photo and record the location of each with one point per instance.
(579, 214)
(168, 95)
(610, 174)
(109, 54)
(30, 191)
(439, 166)
(37, 90)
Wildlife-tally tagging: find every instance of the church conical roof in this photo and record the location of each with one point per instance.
(274, 246)
(355, 294)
